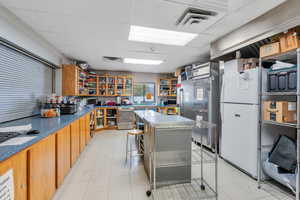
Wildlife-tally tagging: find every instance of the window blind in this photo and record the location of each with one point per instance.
(23, 83)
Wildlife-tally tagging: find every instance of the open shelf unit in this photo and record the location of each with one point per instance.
(291, 56)
(79, 82)
(105, 118)
(167, 87)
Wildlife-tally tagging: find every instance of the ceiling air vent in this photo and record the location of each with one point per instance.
(112, 59)
(194, 16)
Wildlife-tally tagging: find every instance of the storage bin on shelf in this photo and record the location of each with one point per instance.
(282, 80)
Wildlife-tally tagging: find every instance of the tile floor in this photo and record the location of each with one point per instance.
(100, 174)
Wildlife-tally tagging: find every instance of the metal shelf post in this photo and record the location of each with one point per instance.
(298, 130)
(286, 57)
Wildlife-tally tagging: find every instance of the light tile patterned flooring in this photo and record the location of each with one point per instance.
(100, 174)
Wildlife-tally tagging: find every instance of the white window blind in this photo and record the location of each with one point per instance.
(23, 83)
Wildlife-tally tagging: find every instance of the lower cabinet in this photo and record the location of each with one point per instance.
(41, 172)
(63, 154)
(75, 141)
(82, 133)
(87, 129)
(42, 167)
(18, 165)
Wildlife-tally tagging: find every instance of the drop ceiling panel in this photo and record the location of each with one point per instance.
(89, 30)
(168, 12)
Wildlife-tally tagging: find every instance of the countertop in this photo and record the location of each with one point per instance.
(159, 120)
(46, 126)
(169, 106)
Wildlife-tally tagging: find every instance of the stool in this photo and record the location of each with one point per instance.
(134, 132)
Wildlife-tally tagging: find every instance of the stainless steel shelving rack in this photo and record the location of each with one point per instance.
(198, 188)
(288, 56)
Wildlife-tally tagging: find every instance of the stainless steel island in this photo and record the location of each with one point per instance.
(167, 147)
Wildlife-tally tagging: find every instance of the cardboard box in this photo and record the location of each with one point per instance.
(249, 63)
(290, 40)
(280, 111)
(269, 49)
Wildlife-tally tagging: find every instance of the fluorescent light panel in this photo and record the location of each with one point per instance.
(142, 61)
(160, 36)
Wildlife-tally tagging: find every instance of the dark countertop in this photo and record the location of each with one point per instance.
(46, 126)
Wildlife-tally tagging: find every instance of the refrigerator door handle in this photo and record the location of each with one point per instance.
(181, 100)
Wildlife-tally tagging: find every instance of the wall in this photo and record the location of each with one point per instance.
(19, 33)
(137, 77)
(275, 21)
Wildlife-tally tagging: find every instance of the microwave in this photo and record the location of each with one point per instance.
(172, 102)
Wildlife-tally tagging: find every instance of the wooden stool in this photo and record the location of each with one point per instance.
(134, 132)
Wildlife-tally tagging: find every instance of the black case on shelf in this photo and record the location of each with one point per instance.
(284, 80)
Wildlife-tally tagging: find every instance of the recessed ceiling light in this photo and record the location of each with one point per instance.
(160, 36)
(142, 61)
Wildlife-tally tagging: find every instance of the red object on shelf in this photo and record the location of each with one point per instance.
(111, 103)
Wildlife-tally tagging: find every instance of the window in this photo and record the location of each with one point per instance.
(144, 93)
(23, 83)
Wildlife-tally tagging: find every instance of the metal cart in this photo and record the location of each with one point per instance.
(196, 188)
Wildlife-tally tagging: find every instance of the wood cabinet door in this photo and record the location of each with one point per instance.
(82, 133)
(75, 126)
(18, 165)
(70, 80)
(63, 154)
(41, 159)
(87, 129)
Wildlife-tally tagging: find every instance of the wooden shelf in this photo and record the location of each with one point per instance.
(105, 85)
(166, 90)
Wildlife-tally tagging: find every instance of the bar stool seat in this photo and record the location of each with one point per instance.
(133, 132)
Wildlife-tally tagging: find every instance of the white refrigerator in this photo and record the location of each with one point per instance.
(240, 117)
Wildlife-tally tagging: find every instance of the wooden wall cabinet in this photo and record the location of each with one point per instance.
(167, 87)
(63, 154)
(42, 166)
(70, 79)
(18, 164)
(75, 141)
(77, 82)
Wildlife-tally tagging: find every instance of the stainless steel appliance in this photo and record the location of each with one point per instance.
(125, 118)
(199, 99)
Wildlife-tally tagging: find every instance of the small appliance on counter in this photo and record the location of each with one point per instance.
(171, 102)
(50, 112)
(119, 101)
(66, 109)
(126, 101)
(51, 108)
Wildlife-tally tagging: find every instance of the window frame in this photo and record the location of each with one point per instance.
(144, 102)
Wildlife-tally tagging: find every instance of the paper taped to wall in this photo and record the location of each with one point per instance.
(7, 186)
(17, 141)
(24, 128)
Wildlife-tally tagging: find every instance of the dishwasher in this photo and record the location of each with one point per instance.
(125, 118)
